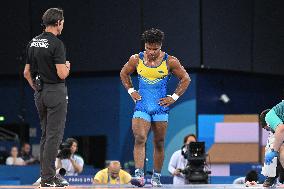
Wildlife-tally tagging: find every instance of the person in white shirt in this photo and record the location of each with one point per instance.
(14, 159)
(178, 162)
(74, 164)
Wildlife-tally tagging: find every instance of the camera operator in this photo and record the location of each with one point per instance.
(178, 162)
(68, 160)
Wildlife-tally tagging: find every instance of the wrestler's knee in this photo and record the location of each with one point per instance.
(159, 144)
(140, 139)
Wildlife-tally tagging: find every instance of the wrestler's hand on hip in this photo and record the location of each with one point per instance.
(136, 96)
(166, 101)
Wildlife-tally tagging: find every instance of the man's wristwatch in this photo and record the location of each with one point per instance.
(272, 150)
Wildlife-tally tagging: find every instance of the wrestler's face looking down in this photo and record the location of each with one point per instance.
(153, 50)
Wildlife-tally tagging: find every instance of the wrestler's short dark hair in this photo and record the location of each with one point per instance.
(153, 36)
(251, 176)
(262, 115)
(187, 136)
(51, 16)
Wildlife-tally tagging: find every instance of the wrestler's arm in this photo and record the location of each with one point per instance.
(127, 70)
(125, 73)
(178, 70)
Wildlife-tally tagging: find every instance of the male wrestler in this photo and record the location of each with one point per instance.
(154, 68)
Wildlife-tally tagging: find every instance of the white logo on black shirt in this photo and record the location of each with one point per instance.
(40, 43)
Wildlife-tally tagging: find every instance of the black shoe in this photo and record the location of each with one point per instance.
(281, 177)
(54, 182)
(269, 181)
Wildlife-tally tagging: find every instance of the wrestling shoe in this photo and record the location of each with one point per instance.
(54, 182)
(62, 179)
(156, 180)
(269, 181)
(138, 179)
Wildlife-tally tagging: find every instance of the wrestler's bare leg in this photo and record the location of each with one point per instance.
(140, 129)
(159, 129)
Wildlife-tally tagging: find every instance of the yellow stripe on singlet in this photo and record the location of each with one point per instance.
(152, 75)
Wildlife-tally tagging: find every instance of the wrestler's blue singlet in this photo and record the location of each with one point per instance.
(152, 87)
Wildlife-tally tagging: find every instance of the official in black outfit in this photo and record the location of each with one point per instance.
(46, 70)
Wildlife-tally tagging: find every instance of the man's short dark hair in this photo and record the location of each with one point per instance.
(71, 141)
(51, 16)
(262, 115)
(187, 136)
(251, 176)
(153, 36)
(25, 143)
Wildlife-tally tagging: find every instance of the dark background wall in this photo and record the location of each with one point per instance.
(241, 35)
(99, 35)
(227, 32)
(14, 34)
(268, 39)
(180, 21)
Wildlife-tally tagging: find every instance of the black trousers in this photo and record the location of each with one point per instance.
(51, 104)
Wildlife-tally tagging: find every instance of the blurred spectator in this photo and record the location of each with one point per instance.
(14, 159)
(250, 179)
(26, 154)
(113, 174)
(73, 164)
(178, 162)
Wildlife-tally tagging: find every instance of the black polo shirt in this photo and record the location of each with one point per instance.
(43, 52)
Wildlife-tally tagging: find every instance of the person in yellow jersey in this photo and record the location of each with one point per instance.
(113, 174)
(154, 68)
